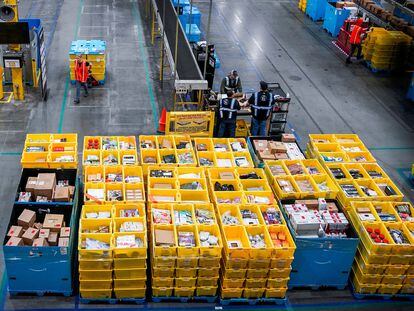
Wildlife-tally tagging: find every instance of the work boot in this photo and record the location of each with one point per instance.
(76, 101)
(348, 61)
(85, 95)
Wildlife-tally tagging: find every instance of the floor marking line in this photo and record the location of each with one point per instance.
(10, 153)
(144, 56)
(65, 93)
(3, 289)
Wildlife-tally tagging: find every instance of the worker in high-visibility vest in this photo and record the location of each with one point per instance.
(232, 83)
(227, 116)
(357, 35)
(82, 70)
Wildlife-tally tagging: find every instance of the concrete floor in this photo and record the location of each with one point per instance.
(263, 39)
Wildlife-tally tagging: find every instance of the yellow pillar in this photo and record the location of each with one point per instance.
(17, 79)
(17, 73)
(1, 84)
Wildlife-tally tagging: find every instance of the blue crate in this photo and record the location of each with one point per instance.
(97, 47)
(315, 9)
(322, 262)
(401, 14)
(195, 34)
(334, 18)
(40, 270)
(194, 18)
(218, 63)
(87, 47)
(183, 3)
(79, 47)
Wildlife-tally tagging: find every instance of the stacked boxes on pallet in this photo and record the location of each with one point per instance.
(384, 264)
(50, 151)
(94, 52)
(223, 152)
(112, 252)
(353, 168)
(308, 193)
(300, 179)
(185, 250)
(258, 248)
(111, 170)
(113, 230)
(386, 49)
(173, 150)
(177, 184)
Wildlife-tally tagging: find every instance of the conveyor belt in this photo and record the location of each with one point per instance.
(187, 67)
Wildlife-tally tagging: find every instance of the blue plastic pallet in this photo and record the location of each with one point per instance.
(380, 296)
(252, 301)
(376, 70)
(112, 301)
(208, 299)
(172, 298)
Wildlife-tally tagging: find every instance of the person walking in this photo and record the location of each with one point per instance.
(261, 104)
(82, 69)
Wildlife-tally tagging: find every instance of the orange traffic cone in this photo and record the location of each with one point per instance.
(162, 121)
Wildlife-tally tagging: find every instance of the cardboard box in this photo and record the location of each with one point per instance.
(266, 155)
(260, 145)
(44, 233)
(71, 191)
(164, 237)
(63, 242)
(26, 219)
(53, 238)
(311, 204)
(38, 225)
(339, 4)
(45, 185)
(65, 232)
(30, 235)
(15, 241)
(40, 242)
(281, 156)
(288, 138)
(61, 194)
(42, 199)
(277, 147)
(54, 222)
(31, 184)
(166, 144)
(15, 231)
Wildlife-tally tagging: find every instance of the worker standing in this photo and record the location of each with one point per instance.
(231, 83)
(227, 116)
(357, 35)
(261, 104)
(82, 69)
